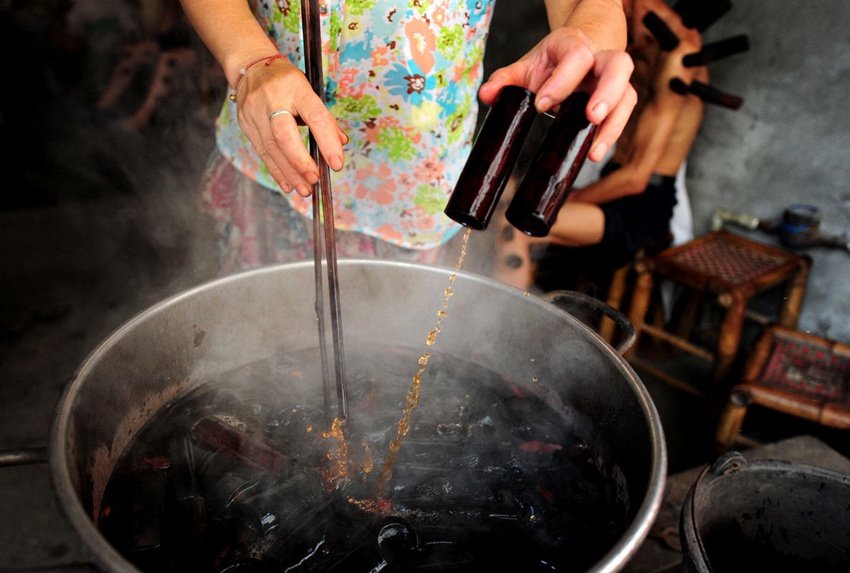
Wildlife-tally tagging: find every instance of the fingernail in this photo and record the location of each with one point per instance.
(335, 162)
(303, 190)
(601, 110)
(599, 151)
(312, 177)
(543, 104)
(286, 187)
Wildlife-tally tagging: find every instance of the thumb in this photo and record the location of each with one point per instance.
(507, 76)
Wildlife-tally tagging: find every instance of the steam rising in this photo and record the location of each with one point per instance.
(132, 192)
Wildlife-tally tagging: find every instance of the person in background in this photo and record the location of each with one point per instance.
(163, 50)
(605, 223)
(402, 82)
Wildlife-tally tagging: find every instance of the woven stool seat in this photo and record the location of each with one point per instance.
(795, 373)
(727, 260)
(722, 262)
(733, 269)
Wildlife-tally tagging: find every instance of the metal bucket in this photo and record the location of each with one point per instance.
(179, 344)
(766, 515)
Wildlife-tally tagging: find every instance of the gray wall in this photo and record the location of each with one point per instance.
(789, 143)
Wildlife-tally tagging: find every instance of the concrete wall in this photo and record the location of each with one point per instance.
(789, 143)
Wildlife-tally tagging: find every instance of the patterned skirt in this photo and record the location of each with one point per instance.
(256, 226)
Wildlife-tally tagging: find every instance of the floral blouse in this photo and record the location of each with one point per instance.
(401, 78)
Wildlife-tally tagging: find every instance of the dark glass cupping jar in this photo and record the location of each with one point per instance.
(492, 158)
(550, 177)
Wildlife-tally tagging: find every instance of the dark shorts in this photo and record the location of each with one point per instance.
(631, 223)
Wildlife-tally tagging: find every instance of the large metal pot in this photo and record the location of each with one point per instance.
(182, 342)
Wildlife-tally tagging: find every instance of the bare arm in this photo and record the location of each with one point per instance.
(602, 20)
(581, 221)
(663, 133)
(585, 50)
(230, 31)
(656, 123)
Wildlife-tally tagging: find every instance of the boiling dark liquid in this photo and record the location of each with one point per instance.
(239, 476)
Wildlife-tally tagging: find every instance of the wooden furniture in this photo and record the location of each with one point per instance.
(732, 270)
(794, 373)
(627, 274)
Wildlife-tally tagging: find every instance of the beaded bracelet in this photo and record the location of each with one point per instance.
(267, 59)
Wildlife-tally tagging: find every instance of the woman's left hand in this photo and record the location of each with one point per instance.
(565, 61)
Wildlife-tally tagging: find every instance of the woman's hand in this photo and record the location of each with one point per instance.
(273, 98)
(567, 60)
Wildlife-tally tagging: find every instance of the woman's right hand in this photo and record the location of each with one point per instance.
(273, 98)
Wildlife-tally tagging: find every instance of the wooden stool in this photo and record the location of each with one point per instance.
(794, 373)
(731, 268)
(620, 280)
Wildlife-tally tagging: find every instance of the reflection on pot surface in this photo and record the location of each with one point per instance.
(240, 475)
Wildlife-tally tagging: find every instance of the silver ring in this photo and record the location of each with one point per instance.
(278, 112)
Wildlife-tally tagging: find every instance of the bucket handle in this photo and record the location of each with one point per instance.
(559, 297)
(729, 463)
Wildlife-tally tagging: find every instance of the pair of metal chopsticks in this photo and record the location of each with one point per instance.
(323, 232)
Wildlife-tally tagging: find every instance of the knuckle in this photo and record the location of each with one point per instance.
(273, 148)
(270, 144)
(585, 56)
(277, 132)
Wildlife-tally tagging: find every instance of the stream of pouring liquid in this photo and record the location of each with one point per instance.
(412, 399)
(338, 456)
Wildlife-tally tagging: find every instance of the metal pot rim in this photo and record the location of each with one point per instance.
(108, 558)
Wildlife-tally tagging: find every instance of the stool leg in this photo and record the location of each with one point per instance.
(615, 300)
(729, 339)
(731, 421)
(688, 316)
(794, 294)
(639, 305)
